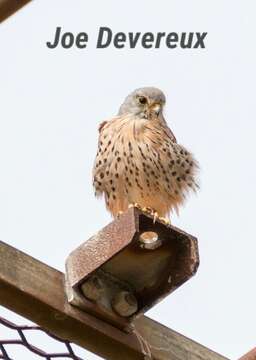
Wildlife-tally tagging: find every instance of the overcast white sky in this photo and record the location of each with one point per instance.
(52, 102)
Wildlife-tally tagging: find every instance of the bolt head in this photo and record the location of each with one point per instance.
(92, 288)
(149, 240)
(125, 303)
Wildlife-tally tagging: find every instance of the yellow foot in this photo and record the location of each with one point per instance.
(148, 210)
(155, 215)
(166, 221)
(152, 212)
(134, 205)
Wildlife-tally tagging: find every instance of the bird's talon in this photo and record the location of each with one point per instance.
(137, 206)
(148, 210)
(155, 217)
(166, 221)
(134, 205)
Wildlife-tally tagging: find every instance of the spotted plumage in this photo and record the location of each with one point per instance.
(139, 160)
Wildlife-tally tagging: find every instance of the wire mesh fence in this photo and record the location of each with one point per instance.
(22, 340)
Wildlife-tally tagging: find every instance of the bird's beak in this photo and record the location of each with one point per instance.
(156, 108)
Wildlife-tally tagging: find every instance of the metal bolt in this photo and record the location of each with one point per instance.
(149, 240)
(125, 303)
(93, 288)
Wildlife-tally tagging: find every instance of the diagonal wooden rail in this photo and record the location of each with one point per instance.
(36, 291)
(9, 7)
(251, 355)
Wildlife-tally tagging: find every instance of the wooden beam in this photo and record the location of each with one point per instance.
(250, 355)
(36, 291)
(9, 7)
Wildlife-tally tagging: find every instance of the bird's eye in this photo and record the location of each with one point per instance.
(142, 100)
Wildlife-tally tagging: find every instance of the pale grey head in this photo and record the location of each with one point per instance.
(146, 103)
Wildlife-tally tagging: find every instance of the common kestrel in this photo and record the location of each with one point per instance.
(139, 160)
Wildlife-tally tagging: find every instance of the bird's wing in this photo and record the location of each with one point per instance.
(171, 135)
(102, 124)
(100, 168)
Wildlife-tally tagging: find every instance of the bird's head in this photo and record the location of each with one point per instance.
(144, 103)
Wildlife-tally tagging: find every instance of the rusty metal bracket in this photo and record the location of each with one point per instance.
(35, 290)
(128, 267)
